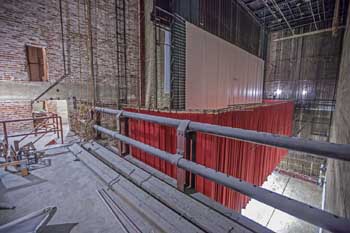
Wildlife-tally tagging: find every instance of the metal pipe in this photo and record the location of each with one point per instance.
(25, 119)
(307, 34)
(62, 34)
(323, 199)
(60, 120)
(39, 132)
(329, 150)
(285, 19)
(295, 208)
(313, 16)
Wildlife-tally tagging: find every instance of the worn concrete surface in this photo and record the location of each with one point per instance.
(338, 172)
(277, 220)
(67, 184)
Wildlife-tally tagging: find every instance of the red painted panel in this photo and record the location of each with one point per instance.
(247, 161)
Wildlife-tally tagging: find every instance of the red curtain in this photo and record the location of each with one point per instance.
(248, 161)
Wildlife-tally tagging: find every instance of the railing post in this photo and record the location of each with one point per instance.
(124, 130)
(122, 125)
(192, 150)
(98, 122)
(56, 126)
(6, 146)
(61, 128)
(183, 142)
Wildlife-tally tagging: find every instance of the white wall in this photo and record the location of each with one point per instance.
(219, 73)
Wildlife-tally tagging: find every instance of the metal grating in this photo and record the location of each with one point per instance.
(121, 52)
(278, 15)
(178, 63)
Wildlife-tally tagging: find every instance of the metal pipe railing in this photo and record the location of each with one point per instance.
(57, 128)
(295, 208)
(329, 150)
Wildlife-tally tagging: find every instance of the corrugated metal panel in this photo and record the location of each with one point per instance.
(248, 161)
(219, 74)
(224, 18)
(178, 63)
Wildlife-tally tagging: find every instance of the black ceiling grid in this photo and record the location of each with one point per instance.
(278, 15)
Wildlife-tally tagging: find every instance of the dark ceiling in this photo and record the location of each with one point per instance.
(283, 14)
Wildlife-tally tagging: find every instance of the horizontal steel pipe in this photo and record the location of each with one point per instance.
(139, 116)
(27, 119)
(27, 134)
(329, 150)
(171, 158)
(295, 208)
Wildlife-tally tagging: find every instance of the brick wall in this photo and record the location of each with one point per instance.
(305, 70)
(38, 23)
(15, 110)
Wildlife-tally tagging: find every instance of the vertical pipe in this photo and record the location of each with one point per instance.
(5, 139)
(98, 122)
(56, 125)
(125, 53)
(142, 86)
(60, 119)
(91, 53)
(62, 34)
(323, 200)
(155, 56)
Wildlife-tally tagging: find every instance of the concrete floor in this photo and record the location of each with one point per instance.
(73, 191)
(279, 221)
(67, 184)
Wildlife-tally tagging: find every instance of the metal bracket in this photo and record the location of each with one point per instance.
(120, 114)
(113, 181)
(118, 117)
(181, 132)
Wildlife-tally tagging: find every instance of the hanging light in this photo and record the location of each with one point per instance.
(278, 91)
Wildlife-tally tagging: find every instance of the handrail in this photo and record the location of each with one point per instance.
(56, 129)
(325, 149)
(33, 130)
(26, 119)
(295, 208)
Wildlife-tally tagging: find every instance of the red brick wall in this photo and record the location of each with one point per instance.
(15, 110)
(38, 23)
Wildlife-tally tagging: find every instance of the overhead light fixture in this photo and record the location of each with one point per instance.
(278, 91)
(304, 92)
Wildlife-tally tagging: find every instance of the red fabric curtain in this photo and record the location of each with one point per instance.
(248, 161)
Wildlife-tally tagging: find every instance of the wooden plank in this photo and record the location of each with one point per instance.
(44, 65)
(32, 54)
(146, 212)
(201, 198)
(34, 72)
(203, 216)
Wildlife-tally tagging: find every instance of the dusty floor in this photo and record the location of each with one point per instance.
(75, 194)
(276, 220)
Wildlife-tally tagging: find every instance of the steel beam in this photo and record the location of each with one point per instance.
(295, 208)
(329, 150)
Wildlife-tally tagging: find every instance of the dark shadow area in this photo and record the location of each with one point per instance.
(59, 228)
